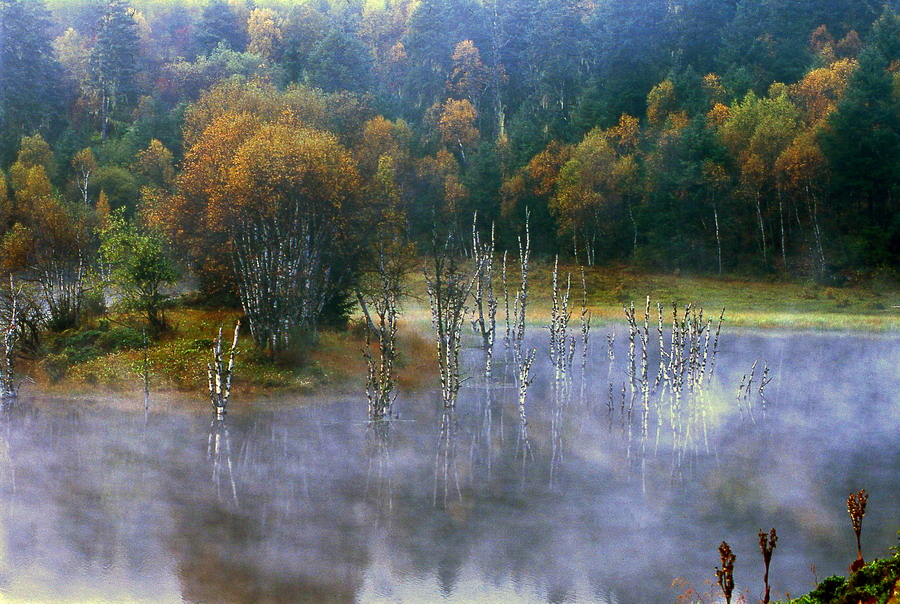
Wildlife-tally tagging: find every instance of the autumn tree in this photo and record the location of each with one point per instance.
(597, 187)
(264, 30)
(756, 131)
(155, 165)
(470, 77)
(801, 171)
(49, 244)
(457, 126)
(291, 199)
(84, 164)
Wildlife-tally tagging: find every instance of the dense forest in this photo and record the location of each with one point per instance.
(267, 148)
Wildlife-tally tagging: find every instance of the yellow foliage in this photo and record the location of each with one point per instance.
(35, 188)
(511, 191)
(801, 164)
(712, 85)
(398, 53)
(442, 171)
(661, 102)
(204, 177)
(849, 46)
(822, 44)
(264, 30)
(103, 210)
(715, 175)
(626, 133)
(301, 104)
(543, 169)
(84, 161)
(594, 179)
(34, 151)
(457, 124)
(6, 208)
(16, 248)
(283, 165)
(156, 164)
(718, 115)
(72, 52)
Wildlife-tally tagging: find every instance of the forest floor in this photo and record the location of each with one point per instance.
(107, 355)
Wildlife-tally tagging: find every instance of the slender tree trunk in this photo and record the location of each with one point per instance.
(634, 226)
(762, 230)
(718, 239)
(104, 118)
(781, 220)
(813, 210)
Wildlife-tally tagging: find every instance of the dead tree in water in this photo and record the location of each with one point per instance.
(382, 301)
(483, 294)
(10, 336)
(220, 374)
(449, 282)
(523, 359)
(561, 345)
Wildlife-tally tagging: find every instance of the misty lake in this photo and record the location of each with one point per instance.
(288, 502)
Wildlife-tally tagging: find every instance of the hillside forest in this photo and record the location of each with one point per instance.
(272, 152)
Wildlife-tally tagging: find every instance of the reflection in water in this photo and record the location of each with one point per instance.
(446, 470)
(218, 452)
(313, 504)
(379, 477)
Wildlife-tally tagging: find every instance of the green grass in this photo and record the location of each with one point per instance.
(763, 304)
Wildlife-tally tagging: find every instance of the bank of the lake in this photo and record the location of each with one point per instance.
(107, 354)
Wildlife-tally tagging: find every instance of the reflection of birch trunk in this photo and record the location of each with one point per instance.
(445, 469)
(718, 238)
(218, 450)
(585, 334)
(378, 454)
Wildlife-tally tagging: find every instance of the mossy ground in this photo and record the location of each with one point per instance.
(79, 361)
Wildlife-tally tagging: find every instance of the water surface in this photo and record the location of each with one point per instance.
(286, 502)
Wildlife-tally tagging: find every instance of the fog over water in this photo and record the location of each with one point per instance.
(309, 503)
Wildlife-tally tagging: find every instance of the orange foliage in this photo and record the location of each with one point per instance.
(821, 89)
